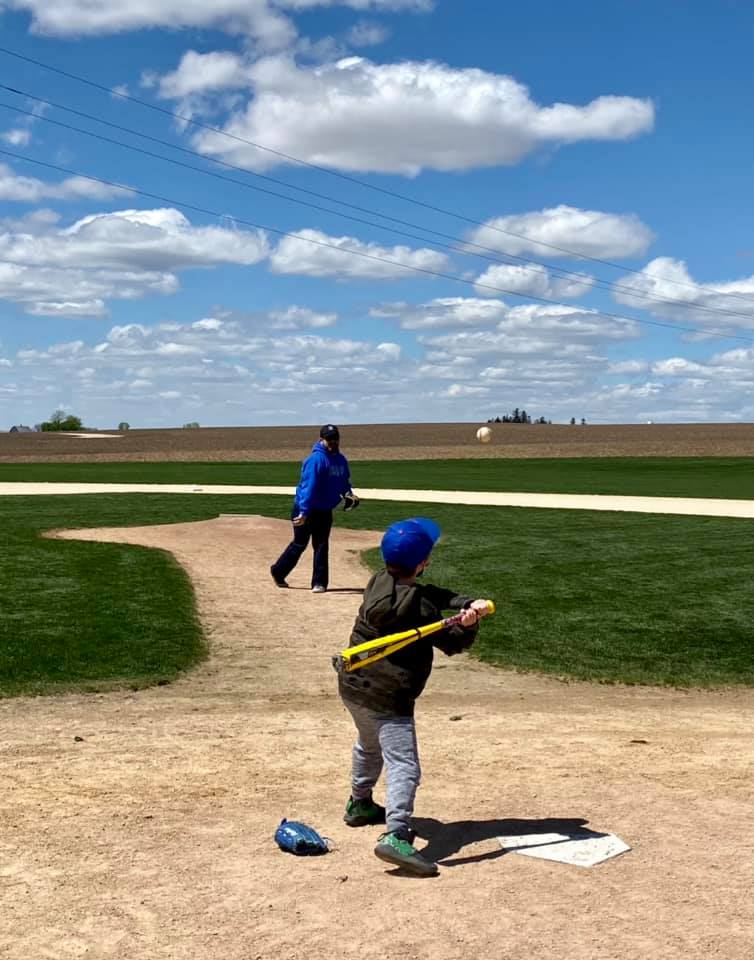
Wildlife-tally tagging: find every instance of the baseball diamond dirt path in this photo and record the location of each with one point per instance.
(704, 507)
(138, 825)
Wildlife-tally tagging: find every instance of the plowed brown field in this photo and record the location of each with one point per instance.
(391, 442)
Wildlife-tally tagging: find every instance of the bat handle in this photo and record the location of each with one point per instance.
(484, 613)
(456, 618)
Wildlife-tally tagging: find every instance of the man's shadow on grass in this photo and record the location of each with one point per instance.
(446, 839)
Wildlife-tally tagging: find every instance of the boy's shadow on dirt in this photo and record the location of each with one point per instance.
(445, 839)
(359, 590)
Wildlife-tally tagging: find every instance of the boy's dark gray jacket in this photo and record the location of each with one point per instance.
(391, 686)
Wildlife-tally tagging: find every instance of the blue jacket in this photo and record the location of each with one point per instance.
(325, 478)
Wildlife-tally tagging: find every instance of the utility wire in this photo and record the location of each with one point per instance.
(343, 176)
(458, 246)
(558, 271)
(366, 256)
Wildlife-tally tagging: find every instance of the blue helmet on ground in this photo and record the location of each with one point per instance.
(409, 542)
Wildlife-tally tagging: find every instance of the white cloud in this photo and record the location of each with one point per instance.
(19, 137)
(161, 373)
(676, 367)
(158, 239)
(171, 349)
(389, 351)
(417, 6)
(628, 366)
(256, 18)
(299, 255)
(263, 20)
(590, 233)
(532, 281)
(445, 312)
(464, 390)
(631, 391)
(300, 318)
(541, 358)
(353, 114)
(35, 222)
(91, 307)
(666, 280)
(572, 324)
(537, 356)
(129, 333)
(203, 73)
(73, 271)
(222, 368)
(69, 292)
(208, 323)
(367, 33)
(481, 324)
(21, 189)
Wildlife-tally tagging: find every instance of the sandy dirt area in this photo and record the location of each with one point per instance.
(139, 824)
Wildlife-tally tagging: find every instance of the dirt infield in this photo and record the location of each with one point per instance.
(390, 442)
(150, 836)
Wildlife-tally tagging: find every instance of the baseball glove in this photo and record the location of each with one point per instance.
(294, 837)
(350, 501)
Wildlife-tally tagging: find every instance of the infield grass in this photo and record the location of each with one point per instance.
(607, 597)
(731, 478)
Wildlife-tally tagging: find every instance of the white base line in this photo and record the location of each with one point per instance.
(701, 507)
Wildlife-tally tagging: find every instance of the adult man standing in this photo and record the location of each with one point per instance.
(325, 480)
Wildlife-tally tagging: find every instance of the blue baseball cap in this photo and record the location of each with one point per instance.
(408, 542)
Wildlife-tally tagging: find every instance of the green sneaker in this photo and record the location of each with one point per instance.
(361, 813)
(396, 849)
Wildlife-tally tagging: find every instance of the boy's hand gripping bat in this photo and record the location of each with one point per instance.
(354, 658)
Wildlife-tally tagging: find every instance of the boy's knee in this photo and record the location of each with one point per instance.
(407, 770)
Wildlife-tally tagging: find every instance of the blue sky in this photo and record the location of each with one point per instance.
(612, 132)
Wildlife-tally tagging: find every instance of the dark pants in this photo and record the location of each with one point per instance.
(316, 528)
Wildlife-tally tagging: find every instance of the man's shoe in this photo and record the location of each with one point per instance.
(363, 812)
(279, 582)
(395, 848)
(318, 588)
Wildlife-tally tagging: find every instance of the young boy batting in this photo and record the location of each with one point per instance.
(381, 697)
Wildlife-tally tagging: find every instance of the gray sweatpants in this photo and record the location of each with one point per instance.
(392, 740)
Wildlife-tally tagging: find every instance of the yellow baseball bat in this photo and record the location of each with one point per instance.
(361, 655)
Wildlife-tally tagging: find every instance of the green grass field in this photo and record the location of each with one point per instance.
(607, 597)
(644, 476)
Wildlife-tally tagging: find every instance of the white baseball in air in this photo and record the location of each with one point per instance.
(484, 434)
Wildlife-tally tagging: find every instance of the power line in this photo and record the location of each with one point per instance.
(343, 176)
(560, 272)
(536, 265)
(366, 256)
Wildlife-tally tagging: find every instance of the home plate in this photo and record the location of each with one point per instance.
(579, 849)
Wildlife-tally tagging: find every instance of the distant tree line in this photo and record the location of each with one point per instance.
(521, 416)
(517, 416)
(60, 420)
